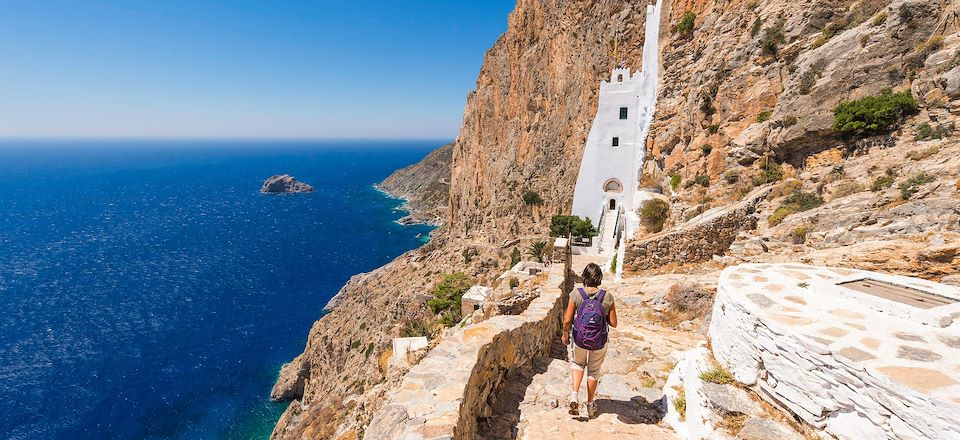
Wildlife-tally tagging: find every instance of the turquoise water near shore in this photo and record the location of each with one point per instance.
(149, 291)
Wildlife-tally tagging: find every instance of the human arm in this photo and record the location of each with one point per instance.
(567, 322)
(613, 315)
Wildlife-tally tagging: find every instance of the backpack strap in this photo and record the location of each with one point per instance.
(583, 293)
(600, 295)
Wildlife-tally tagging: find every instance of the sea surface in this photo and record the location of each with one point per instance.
(149, 291)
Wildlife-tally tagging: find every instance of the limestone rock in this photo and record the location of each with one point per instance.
(424, 187)
(728, 400)
(766, 429)
(284, 184)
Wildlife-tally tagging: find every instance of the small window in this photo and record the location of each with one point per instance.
(620, 78)
(623, 113)
(616, 141)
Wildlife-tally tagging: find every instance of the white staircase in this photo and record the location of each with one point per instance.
(608, 233)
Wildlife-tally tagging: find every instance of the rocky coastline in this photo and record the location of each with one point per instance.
(424, 188)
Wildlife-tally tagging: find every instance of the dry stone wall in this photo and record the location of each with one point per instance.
(698, 240)
(443, 395)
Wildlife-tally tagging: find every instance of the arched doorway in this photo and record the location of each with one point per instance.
(613, 185)
(613, 204)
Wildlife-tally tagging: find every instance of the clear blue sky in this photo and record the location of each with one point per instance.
(241, 68)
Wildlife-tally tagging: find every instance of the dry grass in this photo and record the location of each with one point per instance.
(733, 424)
(923, 154)
(788, 187)
(686, 302)
(680, 402)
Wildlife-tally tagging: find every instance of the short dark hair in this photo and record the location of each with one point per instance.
(592, 275)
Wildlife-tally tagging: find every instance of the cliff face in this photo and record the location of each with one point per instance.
(525, 125)
(425, 186)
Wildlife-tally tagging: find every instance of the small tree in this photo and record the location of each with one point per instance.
(571, 225)
(685, 26)
(447, 295)
(654, 214)
(874, 114)
(532, 198)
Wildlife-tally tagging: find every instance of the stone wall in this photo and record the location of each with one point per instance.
(443, 395)
(697, 240)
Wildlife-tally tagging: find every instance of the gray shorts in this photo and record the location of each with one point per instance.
(590, 361)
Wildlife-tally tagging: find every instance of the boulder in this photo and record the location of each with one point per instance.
(728, 400)
(766, 429)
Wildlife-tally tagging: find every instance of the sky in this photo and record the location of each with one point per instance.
(241, 68)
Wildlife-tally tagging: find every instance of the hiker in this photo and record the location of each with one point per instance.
(590, 311)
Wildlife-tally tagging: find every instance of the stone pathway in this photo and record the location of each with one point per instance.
(639, 359)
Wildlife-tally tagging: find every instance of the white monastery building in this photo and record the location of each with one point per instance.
(607, 188)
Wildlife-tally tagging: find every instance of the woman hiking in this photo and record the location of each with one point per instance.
(590, 311)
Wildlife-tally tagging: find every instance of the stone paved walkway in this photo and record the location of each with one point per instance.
(639, 358)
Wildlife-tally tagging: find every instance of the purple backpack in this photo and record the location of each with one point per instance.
(590, 325)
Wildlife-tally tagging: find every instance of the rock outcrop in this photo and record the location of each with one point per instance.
(424, 187)
(284, 184)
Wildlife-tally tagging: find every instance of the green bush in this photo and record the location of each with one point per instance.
(713, 128)
(926, 132)
(796, 202)
(706, 149)
(654, 214)
(799, 235)
(447, 295)
(536, 250)
(772, 38)
(680, 404)
(564, 225)
(810, 76)
(685, 26)
(912, 185)
(613, 263)
(755, 28)
(706, 105)
(702, 180)
(717, 375)
(764, 116)
(415, 328)
(514, 257)
(675, 181)
(514, 283)
(468, 255)
(731, 176)
(770, 171)
(532, 198)
(885, 181)
(368, 351)
(906, 15)
(872, 114)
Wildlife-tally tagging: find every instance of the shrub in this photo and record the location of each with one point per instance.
(675, 181)
(772, 38)
(564, 225)
(787, 121)
(514, 257)
(717, 375)
(654, 214)
(873, 114)
(879, 19)
(706, 105)
(755, 28)
(731, 176)
(447, 295)
(847, 188)
(786, 188)
(700, 209)
(415, 328)
(810, 76)
(706, 149)
(702, 180)
(799, 235)
(468, 255)
(906, 15)
(796, 202)
(885, 181)
(536, 250)
(713, 128)
(912, 185)
(680, 404)
(368, 351)
(688, 301)
(923, 154)
(532, 198)
(926, 132)
(764, 116)
(613, 263)
(770, 171)
(514, 283)
(685, 26)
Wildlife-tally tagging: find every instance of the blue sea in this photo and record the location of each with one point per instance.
(149, 291)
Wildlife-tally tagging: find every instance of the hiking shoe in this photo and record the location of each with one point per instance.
(591, 409)
(574, 405)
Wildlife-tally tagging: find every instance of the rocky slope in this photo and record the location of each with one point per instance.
(424, 186)
(284, 184)
(751, 83)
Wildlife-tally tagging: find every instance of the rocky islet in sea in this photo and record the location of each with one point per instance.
(284, 184)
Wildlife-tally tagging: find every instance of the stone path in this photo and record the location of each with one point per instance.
(639, 359)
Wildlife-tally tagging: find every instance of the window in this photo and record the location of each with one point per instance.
(613, 185)
(616, 141)
(623, 113)
(620, 78)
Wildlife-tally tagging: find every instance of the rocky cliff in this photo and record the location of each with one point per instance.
(747, 85)
(424, 186)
